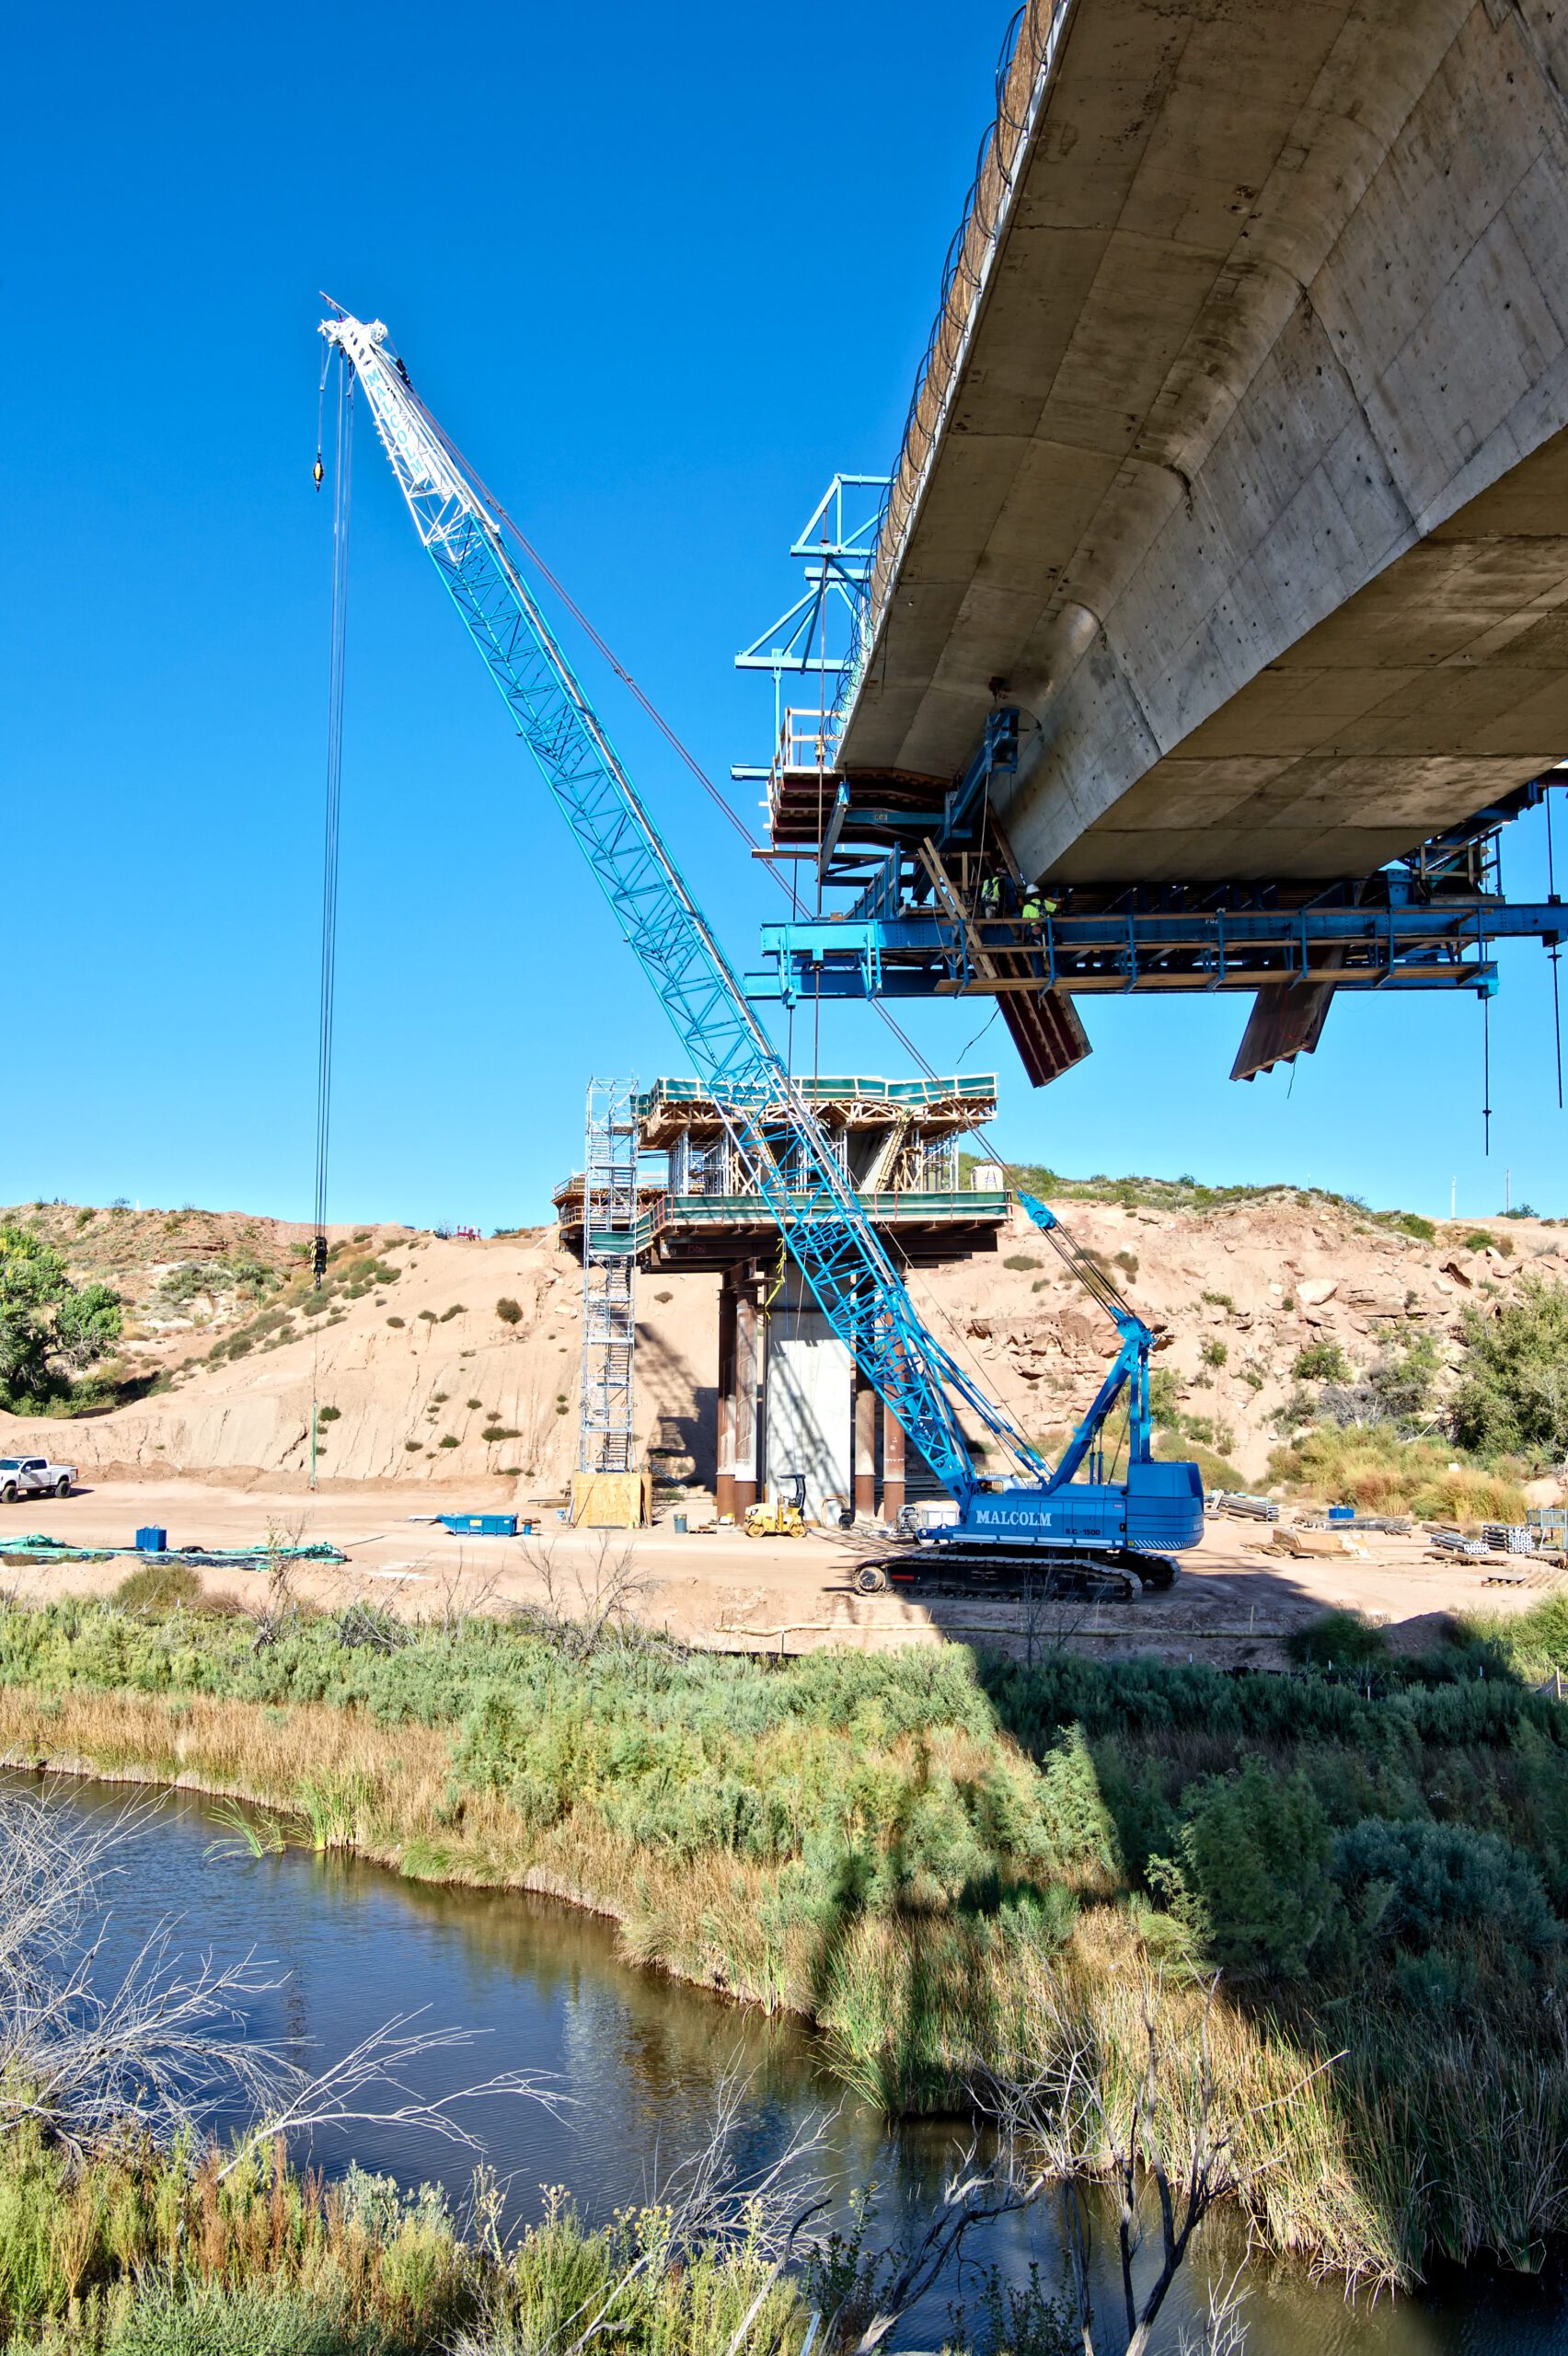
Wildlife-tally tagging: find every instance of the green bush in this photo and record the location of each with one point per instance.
(1255, 1860)
(1020, 1260)
(50, 1328)
(159, 1587)
(1512, 1395)
(1338, 1640)
(1416, 1885)
(255, 2319)
(1403, 1377)
(1412, 1223)
(511, 1312)
(1320, 1362)
(1214, 1351)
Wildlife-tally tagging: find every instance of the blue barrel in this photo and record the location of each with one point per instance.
(151, 1539)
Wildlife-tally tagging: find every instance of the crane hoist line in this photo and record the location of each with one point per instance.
(1029, 1512)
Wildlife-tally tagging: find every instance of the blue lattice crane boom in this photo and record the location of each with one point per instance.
(783, 1148)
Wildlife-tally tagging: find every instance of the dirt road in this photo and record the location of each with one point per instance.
(1233, 1603)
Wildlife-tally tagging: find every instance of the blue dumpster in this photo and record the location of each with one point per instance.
(151, 1539)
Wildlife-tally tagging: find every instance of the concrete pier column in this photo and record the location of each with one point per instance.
(892, 1465)
(745, 1388)
(866, 1405)
(724, 1475)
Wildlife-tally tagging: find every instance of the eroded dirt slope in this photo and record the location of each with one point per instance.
(445, 1360)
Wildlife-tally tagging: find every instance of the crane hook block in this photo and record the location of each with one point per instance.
(319, 470)
(318, 1260)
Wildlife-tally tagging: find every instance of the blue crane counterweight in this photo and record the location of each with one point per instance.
(1158, 1507)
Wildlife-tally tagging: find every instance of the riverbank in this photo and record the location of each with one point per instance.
(955, 1869)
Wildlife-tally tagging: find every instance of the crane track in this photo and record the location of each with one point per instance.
(947, 1570)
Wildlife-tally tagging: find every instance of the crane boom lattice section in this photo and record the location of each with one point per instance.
(779, 1143)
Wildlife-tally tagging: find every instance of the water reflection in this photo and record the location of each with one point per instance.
(640, 2060)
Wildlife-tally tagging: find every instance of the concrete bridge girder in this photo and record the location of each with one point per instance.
(1252, 485)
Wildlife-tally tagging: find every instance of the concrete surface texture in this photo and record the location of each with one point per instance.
(1248, 477)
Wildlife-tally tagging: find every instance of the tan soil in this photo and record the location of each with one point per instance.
(223, 1454)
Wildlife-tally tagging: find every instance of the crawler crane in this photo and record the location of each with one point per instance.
(1118, 1532)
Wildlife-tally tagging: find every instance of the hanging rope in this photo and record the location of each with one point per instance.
(341, 490)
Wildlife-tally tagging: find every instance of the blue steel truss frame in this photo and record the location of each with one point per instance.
(838, 1251)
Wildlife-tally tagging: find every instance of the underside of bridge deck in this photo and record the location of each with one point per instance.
(1241, 467)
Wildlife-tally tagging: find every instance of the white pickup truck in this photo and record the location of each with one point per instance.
(34, 1476)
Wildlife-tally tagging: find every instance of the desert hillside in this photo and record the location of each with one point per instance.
(441, 1359)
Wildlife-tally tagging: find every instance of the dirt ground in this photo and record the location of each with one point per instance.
(1233, 1603)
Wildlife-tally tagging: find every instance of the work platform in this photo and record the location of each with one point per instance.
(896, 1141)
(791, 1400)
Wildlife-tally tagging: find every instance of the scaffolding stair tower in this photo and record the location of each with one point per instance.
(606, 1441)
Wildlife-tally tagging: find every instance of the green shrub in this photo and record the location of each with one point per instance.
(159, 1587)
(1412, 1223)
(1512, 1395)
(1256, 1856)
(1338, 1640)
(1415, 1885)
(1128, 1264)
(456, 1309)
(1381, 1472)
(1320, 1362)
(446, 1440)
(511, 1312)
(1403, 1377)
(1213, 1351)
(327, 1414)
(396, 1322)
(1020, 1260)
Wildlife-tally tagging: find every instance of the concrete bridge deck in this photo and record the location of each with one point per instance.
(1240, 461)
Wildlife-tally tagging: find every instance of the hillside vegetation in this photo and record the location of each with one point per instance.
(1289, 1320)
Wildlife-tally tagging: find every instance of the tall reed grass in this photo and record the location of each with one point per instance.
(179, 2253)
(958, 1868)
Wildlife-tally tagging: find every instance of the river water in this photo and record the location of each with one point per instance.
(638, 2061)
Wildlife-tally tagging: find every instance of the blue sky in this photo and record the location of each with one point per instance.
(658, 275)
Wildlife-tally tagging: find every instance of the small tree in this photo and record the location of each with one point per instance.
(1513, 1395)
(50, 1328)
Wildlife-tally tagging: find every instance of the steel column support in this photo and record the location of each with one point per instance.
(746, 1371)
(865, 1447)
(892, 1465)
(724, 1475)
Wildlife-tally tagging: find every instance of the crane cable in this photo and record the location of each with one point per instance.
(725, 808)
(682, 752)
(337, 666)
